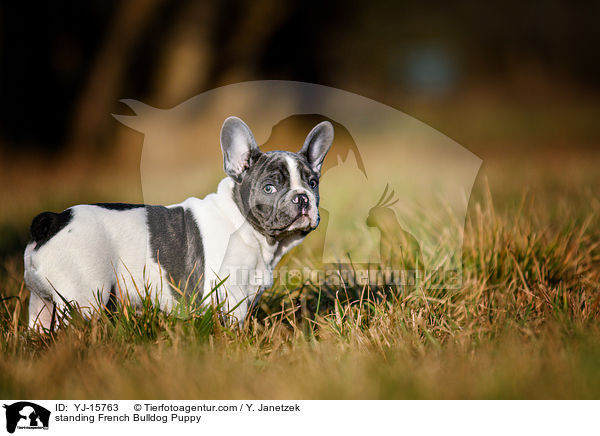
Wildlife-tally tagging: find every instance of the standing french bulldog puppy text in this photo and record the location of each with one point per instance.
(265, 206)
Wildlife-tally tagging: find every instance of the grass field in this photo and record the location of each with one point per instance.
(525, 324)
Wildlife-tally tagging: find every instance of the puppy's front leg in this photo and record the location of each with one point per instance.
(238, 292)
(40, 312)
(242, 297)
(247, 275)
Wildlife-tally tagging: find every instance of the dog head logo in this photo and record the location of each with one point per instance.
(26, 415)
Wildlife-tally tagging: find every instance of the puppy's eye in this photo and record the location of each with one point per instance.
(269, 189)
(313, 183)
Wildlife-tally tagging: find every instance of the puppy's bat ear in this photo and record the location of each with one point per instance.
(317, 145)
(238, 146)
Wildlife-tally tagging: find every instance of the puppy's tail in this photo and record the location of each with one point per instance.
(47, 224)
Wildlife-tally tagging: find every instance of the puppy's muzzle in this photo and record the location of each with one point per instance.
(303, 203)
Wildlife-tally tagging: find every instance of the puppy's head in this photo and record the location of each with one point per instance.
(277, 191)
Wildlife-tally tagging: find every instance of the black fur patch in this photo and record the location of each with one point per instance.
(176, 244)
(47, 224)
(118, 206)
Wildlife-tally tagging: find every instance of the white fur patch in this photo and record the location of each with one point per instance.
(295, 179)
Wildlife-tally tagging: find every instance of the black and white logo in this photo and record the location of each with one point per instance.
(26, 415)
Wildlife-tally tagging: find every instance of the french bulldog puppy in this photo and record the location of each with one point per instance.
(265, 206)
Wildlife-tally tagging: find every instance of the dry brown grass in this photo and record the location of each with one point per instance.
(525, 324)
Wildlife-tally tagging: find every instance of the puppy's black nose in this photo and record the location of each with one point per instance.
(302, 201)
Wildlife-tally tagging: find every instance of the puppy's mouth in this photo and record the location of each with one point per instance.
(302, 222)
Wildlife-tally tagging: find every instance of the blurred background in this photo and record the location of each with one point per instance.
(512, 81)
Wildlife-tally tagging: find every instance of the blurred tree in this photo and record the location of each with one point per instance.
(101, 90)
(64, 65)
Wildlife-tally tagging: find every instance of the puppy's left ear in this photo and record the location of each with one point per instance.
(238, 146)
(317, 145)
